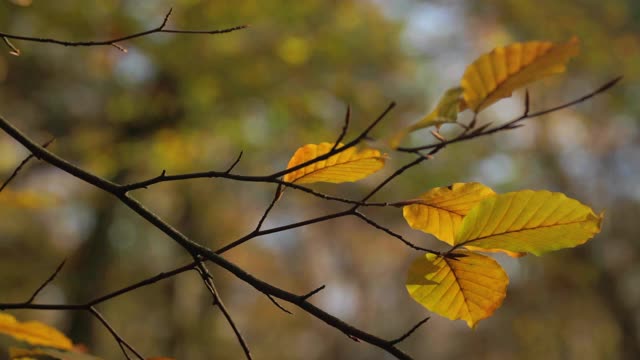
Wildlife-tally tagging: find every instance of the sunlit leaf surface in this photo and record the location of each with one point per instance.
(440, 211)
(468, 288)
(529, 221)
(347, 166)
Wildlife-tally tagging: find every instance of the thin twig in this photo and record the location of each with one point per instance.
(234, 163)
(122, 342)
(510, 125)
(114, 42)
(46, 282)
(21, 165)
(277, 304)
(276, 196)
(411, 331)
(395, 235)
(217, 301)
(345, 127)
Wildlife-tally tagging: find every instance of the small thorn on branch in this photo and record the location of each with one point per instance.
(311, 293)
(526, 102)
(411, 331)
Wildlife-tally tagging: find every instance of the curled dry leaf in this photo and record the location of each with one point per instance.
(347, 166)
(468, 288)
(497, 74)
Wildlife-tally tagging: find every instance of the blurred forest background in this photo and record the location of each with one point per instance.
(191, 103)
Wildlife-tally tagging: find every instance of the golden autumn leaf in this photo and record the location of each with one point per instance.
(528, 221)
(440, 210)
(33, 332)
(497, 74)
(446, 111)
(347, 166)
(468, 288)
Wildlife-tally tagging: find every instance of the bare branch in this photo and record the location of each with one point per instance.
(509, 125)
(114, 42)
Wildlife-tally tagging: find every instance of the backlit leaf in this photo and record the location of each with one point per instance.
(528, 221)
(33, 332)
(440, 211)
(497, 74)
(446, 111)
(468, 288)
(347, 166)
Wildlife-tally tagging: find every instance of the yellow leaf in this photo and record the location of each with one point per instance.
(33, 332)
(446, 111)
(528, 221)
(440, 211)
(497, 74)
(469, 288)
(349, 165)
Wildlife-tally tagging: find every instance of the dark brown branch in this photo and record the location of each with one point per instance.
(46, 282)
(21, 165)
(114, 42)
(194, 248)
